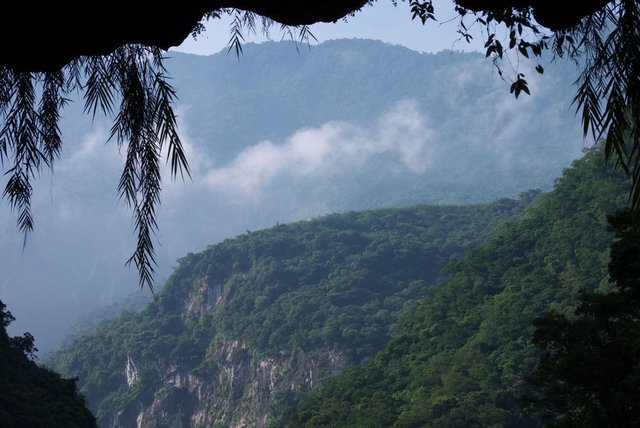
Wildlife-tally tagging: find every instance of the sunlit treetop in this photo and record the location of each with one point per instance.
(113, 55)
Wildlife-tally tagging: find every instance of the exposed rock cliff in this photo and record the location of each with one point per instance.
(235, 386)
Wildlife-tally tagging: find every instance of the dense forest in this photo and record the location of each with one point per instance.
(300, 301)
(463, 355)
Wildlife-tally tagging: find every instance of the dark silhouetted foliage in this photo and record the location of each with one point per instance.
(589, 371)
(32, 396)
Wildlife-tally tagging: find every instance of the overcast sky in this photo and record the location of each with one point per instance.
(382, 21)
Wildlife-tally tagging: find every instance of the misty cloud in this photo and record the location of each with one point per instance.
(91, 146)
(332, 149)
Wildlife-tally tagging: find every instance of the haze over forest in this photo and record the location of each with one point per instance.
(280, 134)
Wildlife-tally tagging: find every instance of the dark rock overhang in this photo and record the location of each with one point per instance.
(554, 15)
(44, 36)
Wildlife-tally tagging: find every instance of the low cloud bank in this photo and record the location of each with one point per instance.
(334, 148)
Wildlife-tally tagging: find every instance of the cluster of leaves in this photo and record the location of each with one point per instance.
(134, 77)
(604, 45)
(338, 283)
(608, 92)
(525, 37)
(461, 357)
(31, 396)
(245, 23)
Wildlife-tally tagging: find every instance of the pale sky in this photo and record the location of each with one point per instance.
(382, 21)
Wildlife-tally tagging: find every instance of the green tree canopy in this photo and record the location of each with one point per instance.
(589, 369)
(114, 59)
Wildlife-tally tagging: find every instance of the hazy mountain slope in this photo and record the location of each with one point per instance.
(270, 312)
(460, 357)
(278, 135)
(455, 132)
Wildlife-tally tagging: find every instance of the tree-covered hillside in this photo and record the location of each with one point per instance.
(271, 313)
(32, 396)
(460, 358)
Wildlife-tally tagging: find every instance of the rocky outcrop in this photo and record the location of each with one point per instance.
(131, 372)
(205, 298)
(236, 390)
(233, 386)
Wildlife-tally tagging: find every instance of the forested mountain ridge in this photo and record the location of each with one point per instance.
(461, 357)
(271, 314)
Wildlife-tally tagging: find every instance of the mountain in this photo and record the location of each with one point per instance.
(461, 357)
(284, 133)
(269, 314)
